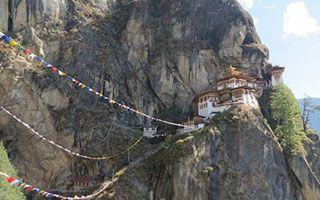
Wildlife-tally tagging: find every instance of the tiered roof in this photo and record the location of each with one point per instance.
(232, 72)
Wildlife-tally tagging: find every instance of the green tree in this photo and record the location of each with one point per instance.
(288, 123)
(308, 108)
(7, 192)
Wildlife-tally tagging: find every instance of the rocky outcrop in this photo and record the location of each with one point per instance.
(310, 184)
(236, 157)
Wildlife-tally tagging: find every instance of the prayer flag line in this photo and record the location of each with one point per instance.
(55, 70)
(65, 149)
(14, 182)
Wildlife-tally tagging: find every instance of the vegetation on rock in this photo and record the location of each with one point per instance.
(7, 192)
(310, 109)
(287, 115)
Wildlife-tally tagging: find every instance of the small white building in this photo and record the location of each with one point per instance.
(276, 75)
(198, 122)
(150, 131)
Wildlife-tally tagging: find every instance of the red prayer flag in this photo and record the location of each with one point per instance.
(29, 189)
(54, 69)
(10, 179)
(27, 51)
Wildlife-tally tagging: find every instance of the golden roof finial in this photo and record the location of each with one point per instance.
(232, 71)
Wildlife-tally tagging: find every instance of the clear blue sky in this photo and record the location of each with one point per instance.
(291, 30)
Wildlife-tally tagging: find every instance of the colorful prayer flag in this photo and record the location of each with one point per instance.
(13, 43)
(10, 179)
(7, 39)
(61, 73)
(27, 52)
(54, 69)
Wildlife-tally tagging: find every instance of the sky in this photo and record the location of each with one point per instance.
(291, 30)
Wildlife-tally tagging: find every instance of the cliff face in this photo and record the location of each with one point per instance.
(237, 156)
(176, 48)
(154, 55)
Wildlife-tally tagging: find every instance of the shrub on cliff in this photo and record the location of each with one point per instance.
(7, 192)
(288, 123)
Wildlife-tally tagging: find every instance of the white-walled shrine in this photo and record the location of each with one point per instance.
(234, 88)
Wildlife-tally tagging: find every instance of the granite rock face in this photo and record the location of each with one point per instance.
(153, 55)
(237, 156)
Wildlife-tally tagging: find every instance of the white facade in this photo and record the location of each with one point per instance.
(219, 108)
(250, 99)
(186, 129)
(275, 80)
(234, 89)
(208, 108)
(149, 131)
(190, 128)
(205, 108)
(233, 83)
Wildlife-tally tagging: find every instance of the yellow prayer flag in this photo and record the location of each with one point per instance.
(61, 73)
(13, 43)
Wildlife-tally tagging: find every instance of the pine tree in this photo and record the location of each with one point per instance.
(7, 192)
(287, 115)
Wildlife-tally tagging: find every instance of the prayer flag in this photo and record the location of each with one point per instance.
(20, 48)
(13, 43)
(39, 59)
(7, 39)
(10, 179)
(61, 73)
(29, 188)
(54, 69)
(37, 190)
(32, 56)
(27, 52)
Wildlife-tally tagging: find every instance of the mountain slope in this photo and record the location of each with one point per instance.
(153, 55)
(236, 157)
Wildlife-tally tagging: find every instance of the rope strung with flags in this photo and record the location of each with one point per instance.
(14, 182)
(56, 70)
(65, 149)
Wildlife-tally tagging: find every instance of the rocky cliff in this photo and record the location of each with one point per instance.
(237, 156)
(154, 55)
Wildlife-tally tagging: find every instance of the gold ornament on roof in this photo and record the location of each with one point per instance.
(232, 71)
